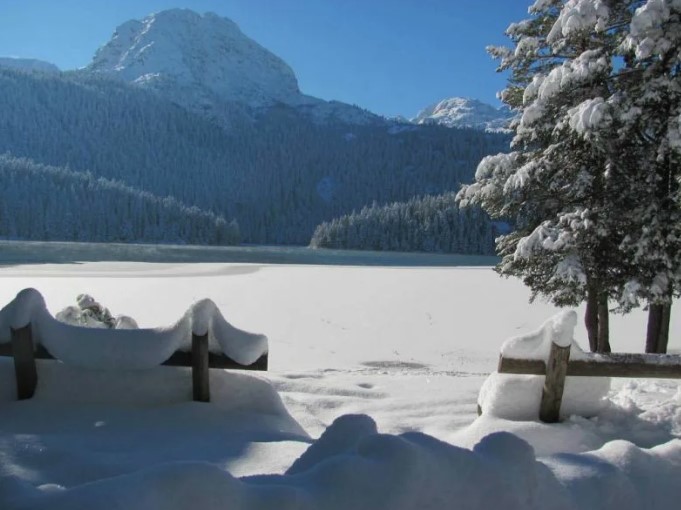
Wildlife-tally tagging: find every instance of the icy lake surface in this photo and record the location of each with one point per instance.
(13, 252)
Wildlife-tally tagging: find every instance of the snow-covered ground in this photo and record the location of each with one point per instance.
(408, 346)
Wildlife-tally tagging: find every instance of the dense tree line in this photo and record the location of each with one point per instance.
(39, 202)
(279, 175)
(428, 224)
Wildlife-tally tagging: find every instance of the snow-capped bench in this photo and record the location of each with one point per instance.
(201, 339)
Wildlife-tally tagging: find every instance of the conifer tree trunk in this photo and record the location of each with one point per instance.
(654, 324)
(603, 324)
(591, 318)
(657, 335)
(663, 340)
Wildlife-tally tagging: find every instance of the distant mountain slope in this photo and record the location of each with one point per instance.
(279, 176)
(185, 105)
(205, 63)
(28, 64)
(465, 113)
(39, 202)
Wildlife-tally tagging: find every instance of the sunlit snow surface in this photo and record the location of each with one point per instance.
(409, 346)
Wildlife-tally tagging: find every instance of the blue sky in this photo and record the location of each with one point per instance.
(392, 57)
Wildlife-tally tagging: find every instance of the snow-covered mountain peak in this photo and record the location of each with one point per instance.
(465, 112)
(28, 64)
(205, 63)
(184, 52)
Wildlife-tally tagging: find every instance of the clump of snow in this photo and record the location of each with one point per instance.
(90, 314)
(128, 348)
(517, 397)
(590, 115)
(578, 16)
(537, 344)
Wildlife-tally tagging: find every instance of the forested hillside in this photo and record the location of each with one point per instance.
(279, 176)
(39, 202)
(430, 224)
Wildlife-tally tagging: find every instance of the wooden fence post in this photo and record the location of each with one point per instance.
(200, 373)
(24, 362)
(552, 394)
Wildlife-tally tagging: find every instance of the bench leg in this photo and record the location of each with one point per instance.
(24, 362)
(200, 375)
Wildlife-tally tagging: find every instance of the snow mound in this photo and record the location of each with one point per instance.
(128, 348)
(344, 433)
(537, 345)
(517, 397)
(358, 468)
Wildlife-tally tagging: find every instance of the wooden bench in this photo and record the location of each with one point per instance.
(662, 366)
(24, 352)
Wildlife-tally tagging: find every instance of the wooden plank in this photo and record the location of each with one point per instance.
(626, 368)
(178, 359)
(521, 366)
(215, 360)
(554, 384)
(24, 362)
(200, 371)
(660, 366)
(38, 353)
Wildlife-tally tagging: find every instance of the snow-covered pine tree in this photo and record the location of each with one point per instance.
(561, 191)
(647, 112)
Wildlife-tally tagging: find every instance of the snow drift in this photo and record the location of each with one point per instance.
(128, 348)
(354, 466)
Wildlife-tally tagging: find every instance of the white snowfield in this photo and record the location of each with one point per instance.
(370, 402)
(131, 349)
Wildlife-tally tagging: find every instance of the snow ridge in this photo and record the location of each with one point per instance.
(460, 112)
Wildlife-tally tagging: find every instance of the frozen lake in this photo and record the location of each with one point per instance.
(16, 252)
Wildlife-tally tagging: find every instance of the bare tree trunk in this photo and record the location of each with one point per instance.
(591, 317)
(657, 335)
(603, 324)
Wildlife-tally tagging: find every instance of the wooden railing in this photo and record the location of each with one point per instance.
(24, 352)
(663, 366)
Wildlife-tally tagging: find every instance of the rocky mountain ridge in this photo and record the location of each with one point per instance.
(461, 112)
(204, 62)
